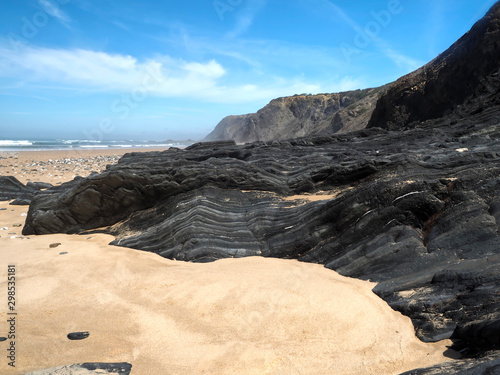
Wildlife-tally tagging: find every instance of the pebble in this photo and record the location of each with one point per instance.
(53, 245)
(17, 225)
(54, 167)
(3, 209)
(4, 228)
(63, 253)
(78, 335)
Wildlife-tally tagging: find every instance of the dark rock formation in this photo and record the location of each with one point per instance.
(485, 365)
(39, 185)
(415, 211)
(300, 116)
(12, 188)
(473, 337)
(462, 81)
(87, 369)
(20, 202)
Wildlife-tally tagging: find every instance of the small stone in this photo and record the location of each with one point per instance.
(53, 245)
(63, 253)
(17, 225)
(3, 209)
(78, 335)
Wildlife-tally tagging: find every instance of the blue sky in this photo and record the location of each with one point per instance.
(94, 69)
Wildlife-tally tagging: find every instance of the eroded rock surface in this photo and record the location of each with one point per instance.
(417, 211)
(12, 188)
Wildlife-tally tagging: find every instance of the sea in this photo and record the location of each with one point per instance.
(80, 144)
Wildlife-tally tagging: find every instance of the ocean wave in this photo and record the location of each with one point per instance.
(75, 144)
(9, 143)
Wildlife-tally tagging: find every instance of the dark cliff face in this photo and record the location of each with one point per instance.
(300, 116)
(463, 80)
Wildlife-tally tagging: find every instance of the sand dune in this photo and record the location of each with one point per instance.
(234, 316)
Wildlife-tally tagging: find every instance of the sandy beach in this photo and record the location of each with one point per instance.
(234, 316)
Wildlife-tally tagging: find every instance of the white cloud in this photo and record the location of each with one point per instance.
(54, 11)
(402, 61)
(162, 76)
(212, 69)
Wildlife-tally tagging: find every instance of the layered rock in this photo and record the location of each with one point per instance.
(417, 211)
(12, 188)
(300, 116)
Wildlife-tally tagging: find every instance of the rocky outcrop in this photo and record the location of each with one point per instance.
(484, 365)
(12, 188)
(416, 211)
(87, 369)
(300, 116)
(464, 80)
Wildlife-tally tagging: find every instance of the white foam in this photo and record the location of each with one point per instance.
(5, 143)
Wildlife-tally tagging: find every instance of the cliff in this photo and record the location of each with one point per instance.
(462, 81)
(301, 115)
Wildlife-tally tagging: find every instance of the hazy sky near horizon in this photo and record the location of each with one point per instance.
(89, 69)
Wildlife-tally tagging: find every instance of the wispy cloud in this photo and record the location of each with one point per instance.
(55, 11)
(245, 17)
(28, 96)
(161, 76)
(400, 60)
